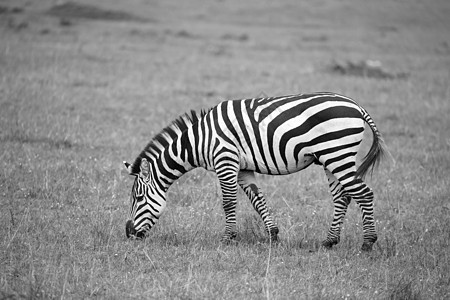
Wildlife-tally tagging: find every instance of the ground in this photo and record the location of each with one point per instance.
(85, 85)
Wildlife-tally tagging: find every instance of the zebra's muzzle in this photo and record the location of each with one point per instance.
(132, 233)
(129, 229)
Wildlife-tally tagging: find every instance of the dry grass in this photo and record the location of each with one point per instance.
(78, 96)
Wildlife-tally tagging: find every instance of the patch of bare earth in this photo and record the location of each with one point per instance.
(91, 12)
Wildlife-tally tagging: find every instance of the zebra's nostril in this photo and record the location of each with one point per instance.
(140, 235)
(129, 229)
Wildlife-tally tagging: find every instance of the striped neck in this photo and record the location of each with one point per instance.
(179, 155)
(168, 151)
(174, 161)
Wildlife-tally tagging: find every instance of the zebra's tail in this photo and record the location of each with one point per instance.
(376, 152)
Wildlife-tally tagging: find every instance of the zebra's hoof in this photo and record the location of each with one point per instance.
(327, 244)
(273, 240)
(228, 241)
(273, 235)
(366, 246)
(228, 238)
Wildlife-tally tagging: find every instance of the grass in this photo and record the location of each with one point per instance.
(78, 96)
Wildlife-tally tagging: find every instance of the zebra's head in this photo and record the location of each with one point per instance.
(146, 199)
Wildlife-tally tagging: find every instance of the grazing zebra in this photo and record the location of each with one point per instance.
(277, 135)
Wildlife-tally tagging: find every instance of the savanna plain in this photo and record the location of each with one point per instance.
(85, 85)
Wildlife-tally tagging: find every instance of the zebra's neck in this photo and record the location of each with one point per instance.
(179, 157)
(170, 151)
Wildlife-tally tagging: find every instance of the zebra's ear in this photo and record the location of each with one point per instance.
(145, 168)
(129, 168)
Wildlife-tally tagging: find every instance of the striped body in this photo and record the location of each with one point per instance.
(277, 136)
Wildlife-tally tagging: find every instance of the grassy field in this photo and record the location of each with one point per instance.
(83, 88)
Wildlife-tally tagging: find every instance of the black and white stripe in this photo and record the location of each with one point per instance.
(277, 135)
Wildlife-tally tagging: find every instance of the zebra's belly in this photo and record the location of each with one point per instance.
(268, 166)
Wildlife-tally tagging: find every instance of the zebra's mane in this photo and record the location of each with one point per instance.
(164, 138)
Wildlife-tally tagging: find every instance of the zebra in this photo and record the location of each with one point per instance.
(273, 135)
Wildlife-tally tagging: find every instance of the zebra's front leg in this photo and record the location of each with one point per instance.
(247, 181)
(228, 183)
(341, 202)
(229, 207)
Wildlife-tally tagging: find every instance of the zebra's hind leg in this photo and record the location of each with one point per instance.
(363, 195)
(247, 181)
(341, 202)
